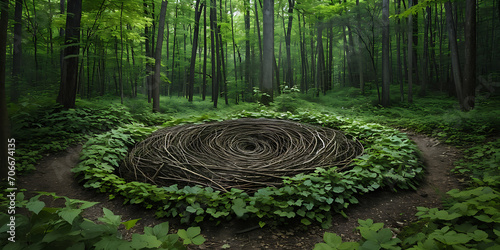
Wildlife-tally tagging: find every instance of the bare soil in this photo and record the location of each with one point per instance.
(395, 209)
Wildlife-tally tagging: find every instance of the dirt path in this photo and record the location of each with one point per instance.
(396, 210)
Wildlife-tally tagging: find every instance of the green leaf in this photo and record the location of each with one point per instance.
(332, 240)
(69, 214)
(338, 189)
(141, 241)
(35, 206)
(239, 207)
(305, 221)
(161, 229)
(130, 223)
(111, 243)
(110, 218)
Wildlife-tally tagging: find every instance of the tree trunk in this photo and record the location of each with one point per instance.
(4, 117)
(197, 16)
(425, 63)
(360, 54)
(385, 54)
(159, 43)
(469, 84)
(149, 55)
(69, 74)
(234, 51)
(17, 56)
(288, 35)
(204, 86)
(120, 66)
(455, 63)
(320, 71)
(258, 30)
(247, 48)
(410, 54)
(399, 68)
(267, 63)
(216, 60)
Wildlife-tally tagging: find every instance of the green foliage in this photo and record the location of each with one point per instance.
(40, 130)
(374, 236)
(481, 163)
(389, 161)
(471, 221)
(64, 228)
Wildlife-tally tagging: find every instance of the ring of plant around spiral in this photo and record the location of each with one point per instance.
(245, 153)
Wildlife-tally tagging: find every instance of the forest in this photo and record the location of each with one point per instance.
(281, 124)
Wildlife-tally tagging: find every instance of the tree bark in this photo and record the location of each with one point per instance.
(4, 117)
(425, 63)
(247, 47)
(234, 51)
(149, 55)
(257, 25)
(69, 74)
(469, 84)
(320, 71)
(360, 54)
(385, 54)
(159, 44)
(288, 35)
(267, 60)
(197, 16)
(204, 86)
(455, 62)
(410, 54)
(17, 56)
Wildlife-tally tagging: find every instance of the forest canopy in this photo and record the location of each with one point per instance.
(98, 48)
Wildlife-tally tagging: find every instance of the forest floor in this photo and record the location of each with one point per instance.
(395, 209)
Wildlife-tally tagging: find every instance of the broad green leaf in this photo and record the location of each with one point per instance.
(239, 207)
(161, 229)
(69, 214)
(141, 241)
(130, 223)
(35, 206)
(110, 218)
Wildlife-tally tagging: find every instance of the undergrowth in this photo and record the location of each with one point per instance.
(389, 161)
(42, 227)
(468, 220)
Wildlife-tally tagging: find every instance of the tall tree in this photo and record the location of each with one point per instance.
(69, 74)
(268, 55)
(159, 45)
(469, 84)
(17, 54)
(410, 54)
(247, 46)
(385, 54)
(4, 118)
(197, 16)
(455, 63)
(288, 36)
(359, 54)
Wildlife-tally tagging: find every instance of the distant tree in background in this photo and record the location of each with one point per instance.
(159, 43)
(4, 118)
(320, 45)
(69, 74)
(268, 57)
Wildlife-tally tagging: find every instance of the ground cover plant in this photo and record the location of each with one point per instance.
(479, 164)
(390, 160)
(43, 227)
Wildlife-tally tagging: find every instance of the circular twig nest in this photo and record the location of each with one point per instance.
(246, 153)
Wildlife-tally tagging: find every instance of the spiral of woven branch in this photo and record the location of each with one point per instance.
(246, 153)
